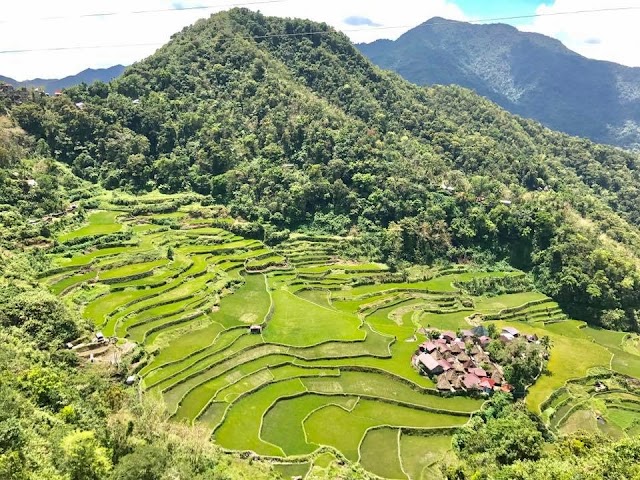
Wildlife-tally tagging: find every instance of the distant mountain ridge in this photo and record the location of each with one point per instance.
(87, 76)
(528, 74)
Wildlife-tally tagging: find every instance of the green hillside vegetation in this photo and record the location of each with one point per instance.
(303, 132)
(338, 355)
(32, 187)
(336, 344)
(266, 310)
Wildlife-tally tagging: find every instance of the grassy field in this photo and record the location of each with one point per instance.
(298, 322)
(380, 453)
(98, 223)
(571, 357)
(367, 414)
(283, 424)
(335, 347)
(419, 454)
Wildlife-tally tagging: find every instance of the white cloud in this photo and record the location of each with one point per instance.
(21, 29)
(612, 36)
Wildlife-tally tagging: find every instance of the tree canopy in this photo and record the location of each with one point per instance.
(301, 131)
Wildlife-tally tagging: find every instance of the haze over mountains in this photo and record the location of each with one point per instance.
(88, 76)
(526, 73)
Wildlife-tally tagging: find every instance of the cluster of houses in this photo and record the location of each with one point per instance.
(461, 363)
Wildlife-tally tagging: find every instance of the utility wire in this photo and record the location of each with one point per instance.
(159, 10)
(324, 32)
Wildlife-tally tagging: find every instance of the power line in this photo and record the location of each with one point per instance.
(158, 10)
(322, 32)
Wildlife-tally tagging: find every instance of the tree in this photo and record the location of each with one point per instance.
(505, 435)
(41, 315)
(146, 463)
(83, 458)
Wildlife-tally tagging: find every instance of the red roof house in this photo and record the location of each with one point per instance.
(445, 365)
(429, 363)
(487, 383)
(470, 381)
(448, 335)
(478, 372)
(467, 334)
(427, 347)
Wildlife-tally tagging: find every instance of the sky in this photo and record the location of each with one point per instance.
(125, 37)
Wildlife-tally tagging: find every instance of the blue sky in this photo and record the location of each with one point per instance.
(500, 8)
(125, 37)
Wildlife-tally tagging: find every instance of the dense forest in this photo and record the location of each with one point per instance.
(298, 132)
(301, 131)
(63, 419)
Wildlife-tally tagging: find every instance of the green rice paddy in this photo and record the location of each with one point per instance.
(330, 370)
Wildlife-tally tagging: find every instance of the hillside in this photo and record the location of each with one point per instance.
(303, 131)
(282, 261)
(51, 85)
(528, 74)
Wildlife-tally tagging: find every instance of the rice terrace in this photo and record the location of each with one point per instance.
(296, 353)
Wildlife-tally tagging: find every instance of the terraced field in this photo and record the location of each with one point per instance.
(329, 374)
(608, 404)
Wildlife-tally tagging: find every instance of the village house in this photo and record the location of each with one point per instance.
(428, 347)
(461, 364)
(428, 364)
(470, 381)
(506, 337)
(511, 331)
(449, 336)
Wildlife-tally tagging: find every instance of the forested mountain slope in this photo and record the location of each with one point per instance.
(32, 186)
(302, 131)
(526, 73)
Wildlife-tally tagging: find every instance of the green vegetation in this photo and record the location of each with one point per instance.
(503, 441)
(257, 338)
(379, 453)
(422, 455)
(441, 175)
(99, 223)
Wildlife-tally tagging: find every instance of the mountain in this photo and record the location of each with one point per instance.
(88, 76)
(526, 73)
(291, 129)
(281, 129)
